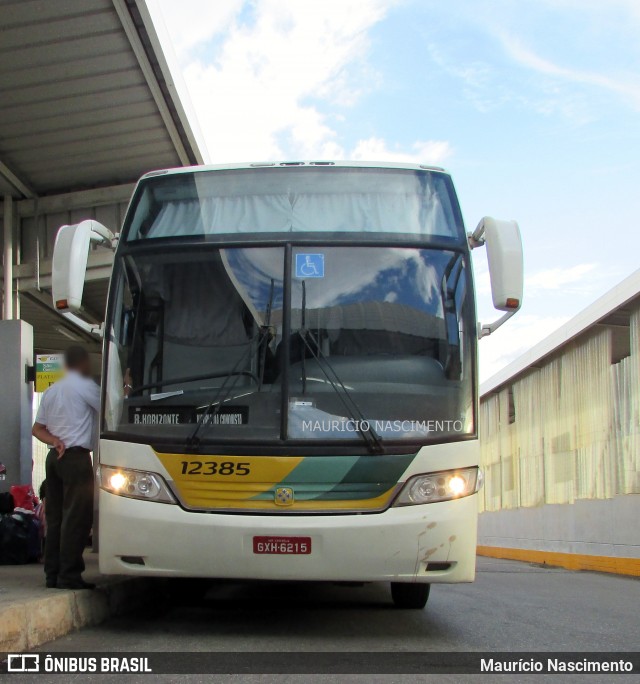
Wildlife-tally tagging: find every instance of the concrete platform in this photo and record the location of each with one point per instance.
(31, 614)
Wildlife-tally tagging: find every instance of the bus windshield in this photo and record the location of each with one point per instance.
(295, 200)
(292, 344)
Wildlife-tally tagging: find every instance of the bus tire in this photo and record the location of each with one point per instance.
(412, 596)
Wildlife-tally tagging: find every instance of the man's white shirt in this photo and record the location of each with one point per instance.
(69, 410)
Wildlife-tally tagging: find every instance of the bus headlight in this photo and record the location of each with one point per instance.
(136, 484)
(441, 486)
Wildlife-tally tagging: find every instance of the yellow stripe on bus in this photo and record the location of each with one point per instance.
(241, 477)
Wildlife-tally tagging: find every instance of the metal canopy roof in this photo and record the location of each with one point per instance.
(87, 105)
(86, 97)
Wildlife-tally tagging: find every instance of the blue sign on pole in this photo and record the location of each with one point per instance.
(309, 265)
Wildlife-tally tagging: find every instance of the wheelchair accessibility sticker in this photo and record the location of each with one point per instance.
(309, 265)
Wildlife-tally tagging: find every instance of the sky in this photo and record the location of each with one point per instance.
(533, 106)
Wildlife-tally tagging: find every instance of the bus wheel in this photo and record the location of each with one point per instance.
(410, 595)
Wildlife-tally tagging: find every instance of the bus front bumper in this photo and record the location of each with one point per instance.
(425, 543)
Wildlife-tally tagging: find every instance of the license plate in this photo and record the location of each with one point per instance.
(282, 545)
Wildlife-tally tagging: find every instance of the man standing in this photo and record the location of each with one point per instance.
(66, 421)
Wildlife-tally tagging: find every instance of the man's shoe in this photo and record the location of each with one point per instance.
(51, 583)
(79, 584)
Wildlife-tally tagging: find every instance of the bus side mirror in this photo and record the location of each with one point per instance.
(504, 254)
(70, 257)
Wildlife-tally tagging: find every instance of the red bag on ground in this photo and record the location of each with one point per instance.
(23, 497)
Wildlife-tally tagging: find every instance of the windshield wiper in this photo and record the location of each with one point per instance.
(191, 378)
(215, 405)
(448, 286)
(267, 324)
(370, 436)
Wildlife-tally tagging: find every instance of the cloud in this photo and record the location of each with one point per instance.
(480, 84)
(489, 87)
(560, 278)
(508, 68)
(193, 22)
(627, 86)
(581, 279)
(259, 75)
(426, 151)
(513, 339)
(630, 9)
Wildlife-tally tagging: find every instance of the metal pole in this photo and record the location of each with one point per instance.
(7, 312)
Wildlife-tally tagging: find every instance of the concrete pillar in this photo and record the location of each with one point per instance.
(16, 353)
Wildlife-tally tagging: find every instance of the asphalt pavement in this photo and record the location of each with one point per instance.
(512, 606)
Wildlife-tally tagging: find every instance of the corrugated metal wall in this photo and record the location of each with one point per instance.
(42, 229)
(566, 431)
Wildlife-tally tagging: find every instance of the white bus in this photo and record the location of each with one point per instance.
(290, 374)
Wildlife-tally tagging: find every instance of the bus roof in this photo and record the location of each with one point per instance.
(297, 164)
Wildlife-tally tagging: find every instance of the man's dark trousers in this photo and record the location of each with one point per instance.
(69, 513)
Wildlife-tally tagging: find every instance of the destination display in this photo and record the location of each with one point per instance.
(184, 415)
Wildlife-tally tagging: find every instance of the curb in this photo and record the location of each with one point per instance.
(570, 561)
(27, 624)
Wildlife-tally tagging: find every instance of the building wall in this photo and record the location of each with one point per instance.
(40, 228)
(557, 443)
(587, 526)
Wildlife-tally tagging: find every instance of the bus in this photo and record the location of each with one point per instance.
(289, 384)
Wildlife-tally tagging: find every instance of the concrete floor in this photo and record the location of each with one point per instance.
(19, 583)
(511, 607)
